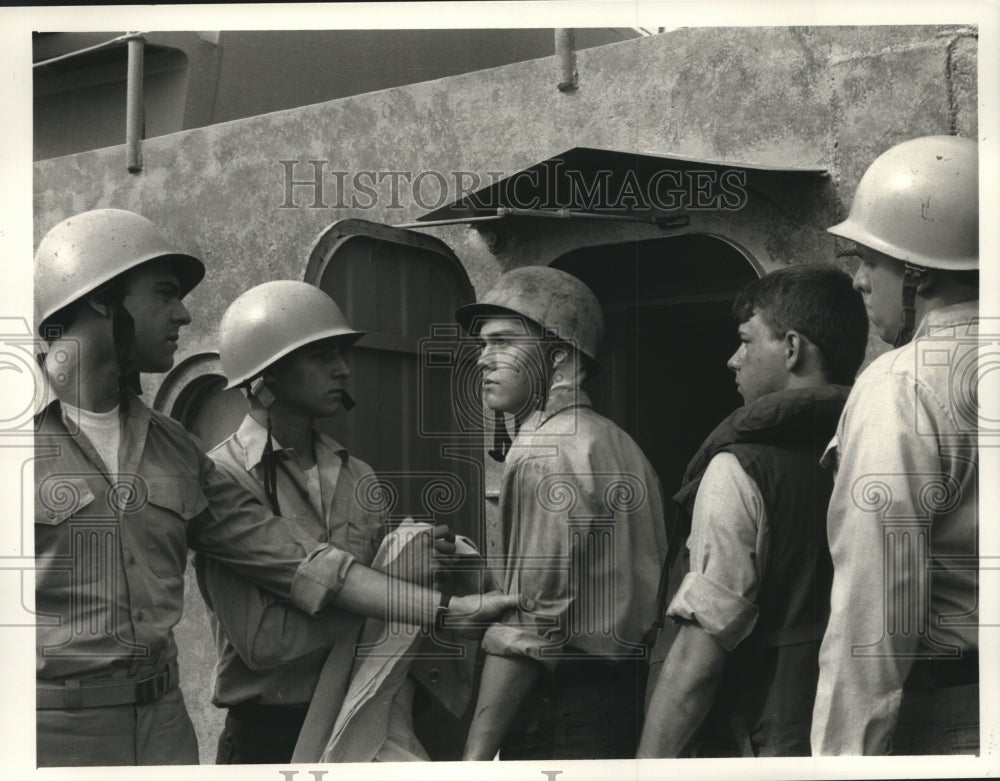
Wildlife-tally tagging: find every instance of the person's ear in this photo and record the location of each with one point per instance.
(794, 349)
(98, 303)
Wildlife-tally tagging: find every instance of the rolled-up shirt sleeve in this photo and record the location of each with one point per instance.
(265, 631)
(728, 549)
(235, 529)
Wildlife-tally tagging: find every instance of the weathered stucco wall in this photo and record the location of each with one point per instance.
(826, 97)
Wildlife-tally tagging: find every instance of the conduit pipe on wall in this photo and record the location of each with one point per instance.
(566, 59)
(134, 119)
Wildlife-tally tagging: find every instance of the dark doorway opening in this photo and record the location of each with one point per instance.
(669, 331)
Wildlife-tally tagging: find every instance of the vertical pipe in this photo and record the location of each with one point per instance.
(133, 105)
(566, 57)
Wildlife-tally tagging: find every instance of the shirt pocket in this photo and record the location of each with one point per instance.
(63, 561)
(171, 504)
(60, 497)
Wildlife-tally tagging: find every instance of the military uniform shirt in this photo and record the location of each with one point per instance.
(111, 549)
(902, 528)
(582, 512)
(270, 652)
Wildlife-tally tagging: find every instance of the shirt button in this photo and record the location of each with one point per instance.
(131, 560)
(434, 676)
(140, 616)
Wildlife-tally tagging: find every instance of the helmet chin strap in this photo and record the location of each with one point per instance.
(258, 390)
(123, 334)
(501, 438)
(912, 277)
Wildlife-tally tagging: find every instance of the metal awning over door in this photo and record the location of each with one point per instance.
(589, 183)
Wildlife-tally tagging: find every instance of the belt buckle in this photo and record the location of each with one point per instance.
(152, 688)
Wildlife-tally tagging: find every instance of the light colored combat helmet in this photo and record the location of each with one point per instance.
(271, 320)
(919, 203)
(555, 300)
(85, 251)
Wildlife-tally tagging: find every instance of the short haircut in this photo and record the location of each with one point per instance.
(820, 303)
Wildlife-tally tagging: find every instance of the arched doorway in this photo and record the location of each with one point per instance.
(668, 333)
(402, 288)
(194, 394)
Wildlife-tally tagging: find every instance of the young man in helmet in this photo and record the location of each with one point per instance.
(122, 492)
(899, 663)
(285, 343)
(581, 511)
(752, 605)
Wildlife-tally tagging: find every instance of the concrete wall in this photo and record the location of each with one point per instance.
(195, 79)
(826, 97)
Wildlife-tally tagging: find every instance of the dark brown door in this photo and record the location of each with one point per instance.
(418, 420)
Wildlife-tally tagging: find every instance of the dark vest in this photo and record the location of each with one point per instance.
(764, 706)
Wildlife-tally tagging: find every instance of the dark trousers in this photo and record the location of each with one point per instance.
(939, 713)
(587, 709)
(260, 734)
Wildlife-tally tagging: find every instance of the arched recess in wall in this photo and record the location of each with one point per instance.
(418, 421)
(193, 393)
(668, 334)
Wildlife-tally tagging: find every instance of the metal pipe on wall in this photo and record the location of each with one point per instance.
(566, 58)
(87, 50)
(134, 120)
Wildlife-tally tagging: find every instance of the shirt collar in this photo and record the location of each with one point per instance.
(562, 398)
(950, 316)
(252, 437)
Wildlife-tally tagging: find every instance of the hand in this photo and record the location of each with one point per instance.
(471, 615)
(444, 540)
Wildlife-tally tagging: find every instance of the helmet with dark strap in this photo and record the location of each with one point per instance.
(919, 203)
(88, 250)
(271, 320)
(265, 324)
(562, 305)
